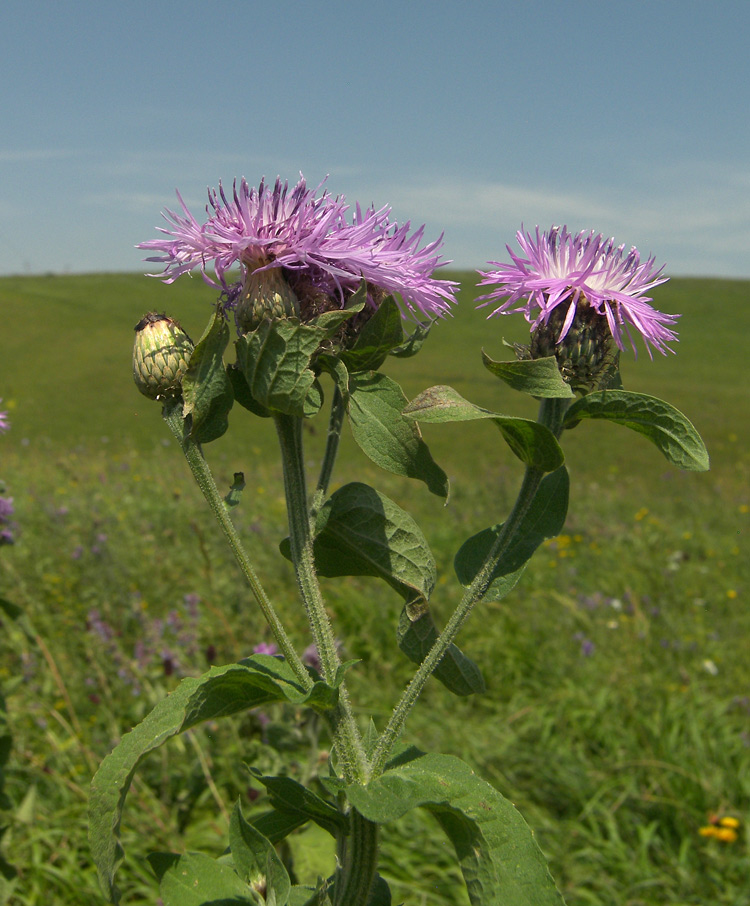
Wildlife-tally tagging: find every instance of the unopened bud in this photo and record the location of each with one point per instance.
(266, 295)
(587, 355)
(160, 356)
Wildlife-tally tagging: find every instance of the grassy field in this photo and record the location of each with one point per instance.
(618, 711)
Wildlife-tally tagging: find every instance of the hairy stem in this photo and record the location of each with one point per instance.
(335, 424)
(347, 738)
(551, 415)
(359, 861)
(205, 480)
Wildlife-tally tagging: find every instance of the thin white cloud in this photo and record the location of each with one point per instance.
(32, 155)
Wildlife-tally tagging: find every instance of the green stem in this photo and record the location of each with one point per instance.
(551, 415)
(335, 424)
(199, 467)
(347, 738)
(358, 862)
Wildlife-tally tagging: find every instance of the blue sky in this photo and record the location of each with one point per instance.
(632, 119)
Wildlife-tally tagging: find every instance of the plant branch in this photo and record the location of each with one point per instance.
(550, 414)
(347, 737)
(201, 472)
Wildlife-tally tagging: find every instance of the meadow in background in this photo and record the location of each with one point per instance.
(621, 724)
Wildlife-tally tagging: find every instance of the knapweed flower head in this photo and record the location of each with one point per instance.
(161, 355)
(560, 278)
(320, 248)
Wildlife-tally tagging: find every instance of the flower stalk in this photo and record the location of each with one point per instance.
(201, 472)
(551, 413)
(347, 738)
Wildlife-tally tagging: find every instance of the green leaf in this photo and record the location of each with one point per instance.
(500, 860)
(361, 532)
(390, 440)
(330, 321)
(303, 895)
(532, 443)
(275, 359)
(277, 825)
(539, 377)
(413, 342)
(337, 369)
(380, 893)
(242, 392)
(544, 519)
(456, 671)
(290, 797)
(238, 486)
(380, 334)
(206, 388)
(219, 692)
(662, 424)
(253, 856)
(11, 610)
(195, 879)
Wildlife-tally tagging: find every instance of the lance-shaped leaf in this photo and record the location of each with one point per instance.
(457, 672)
(254, 857)
(532, 443)
(544, 519)
(662, 424)
(219, 692)
(206, 389)
(195, 879)
(389, 439)
(500, 860)
(275, 359)
(277, 825)
(288, 796)
(382, 333)
(361, 532)
(338, 371)
(304, 895)
(413, 343)
(539, 377)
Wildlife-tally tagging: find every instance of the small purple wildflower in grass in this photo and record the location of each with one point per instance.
(559, 269)
(266, 648)
(587, 646)
(4, 423)
(6, 525)
(192, 601)
(311, 238)
(311, 657)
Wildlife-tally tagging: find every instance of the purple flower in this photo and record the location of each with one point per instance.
(311, 239)
(311, 657)
(266, 648)
(559, 269)
(6, 526)
(4, 423)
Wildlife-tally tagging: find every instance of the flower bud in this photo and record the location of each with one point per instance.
(587, 355)
(265, 295)
(161, 355)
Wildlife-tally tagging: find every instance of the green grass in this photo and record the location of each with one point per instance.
(616, 759)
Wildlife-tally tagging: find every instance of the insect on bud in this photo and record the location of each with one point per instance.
(160, 356)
